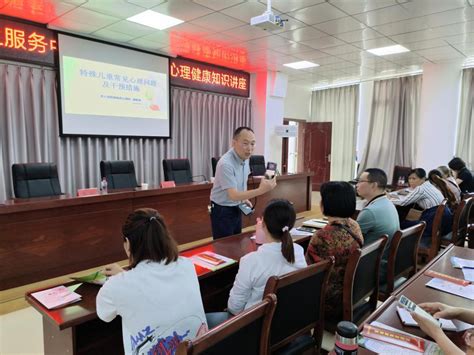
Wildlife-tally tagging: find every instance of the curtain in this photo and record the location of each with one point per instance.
(392, 126)
(339, 106)
(202, 127)
(465, 134)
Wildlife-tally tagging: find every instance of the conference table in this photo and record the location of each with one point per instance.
(76, 329)
(43, 238)
(416, 291)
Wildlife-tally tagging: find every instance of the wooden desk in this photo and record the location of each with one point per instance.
(43, 238)
(416, 290)
(75, 329)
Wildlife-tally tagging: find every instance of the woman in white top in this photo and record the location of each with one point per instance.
(158, 298)
(277, 256)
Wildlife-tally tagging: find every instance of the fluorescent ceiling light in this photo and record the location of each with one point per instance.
(154, 19)
(388, 50)
(301, 65)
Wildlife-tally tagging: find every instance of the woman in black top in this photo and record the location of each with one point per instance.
(462, 174)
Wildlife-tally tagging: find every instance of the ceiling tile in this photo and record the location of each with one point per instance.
(187, 29)
(147, 4)
(426, 7)
(431, 43)
(303, 34)
(245, 11)
(287, 6)
(383, 16)
(71, 26)
(395, 28)
(272, 42)
(293, 48)
(323, 42)
(88, 17)
(450, 17)
(440, 53)
(113, 36)
(358, 35)
(183, 9)
(218, 5)
(338, 50)
(355, 7)
(458, 39)
(119, 9)
(416, 36)
(318, 13)
(127, 27)
(341, 25)
(454, 29)
(41, 12)
(217, 22)
(159, 37)
(246, 33)
(313, 56)
(290, 24)
(143, 43)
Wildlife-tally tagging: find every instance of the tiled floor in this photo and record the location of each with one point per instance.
(21, 332)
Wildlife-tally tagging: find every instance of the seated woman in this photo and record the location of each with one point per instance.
(428, 198)
(339, 239)
(447, 175)
(440, 310)
(462, 174)
(435, 177)
(278, 256)
(158, 298)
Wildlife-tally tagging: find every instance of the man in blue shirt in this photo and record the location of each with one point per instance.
(230, 185)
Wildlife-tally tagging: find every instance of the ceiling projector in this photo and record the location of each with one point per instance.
(268, 21)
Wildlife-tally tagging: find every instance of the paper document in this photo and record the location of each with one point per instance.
(455, 289)
(468, 274)
(211, 261)
(408, 320)
(56, 297)
(294, 232)
(464, 263)
(316, 223)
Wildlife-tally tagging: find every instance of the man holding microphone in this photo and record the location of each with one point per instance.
(230, 185)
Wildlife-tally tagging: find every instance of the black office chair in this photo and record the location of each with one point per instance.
(120, 174)
(214, 161)
(177, 170)
(35, 180)
(300, 308)
(246, 333)
(257, 165)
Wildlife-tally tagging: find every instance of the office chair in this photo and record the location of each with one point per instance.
(257, 165)
(214, 161)
(120, 174)
(35, 180)
(177, 170)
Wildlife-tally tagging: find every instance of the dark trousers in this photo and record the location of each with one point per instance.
(225, 220)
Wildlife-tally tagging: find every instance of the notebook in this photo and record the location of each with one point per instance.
(211, 261)
(56, 297)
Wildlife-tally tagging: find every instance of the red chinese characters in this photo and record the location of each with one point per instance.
(23, 41)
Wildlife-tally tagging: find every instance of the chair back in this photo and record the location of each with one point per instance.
(361, 280)
(246, 333)
(88, 192)
(300, 303)
(120, 174)
(177, 170)
(257, 165)
(400, 171)
(35, 180)
(431, 252)
(403, 254)
(214, 161)
(461, 221)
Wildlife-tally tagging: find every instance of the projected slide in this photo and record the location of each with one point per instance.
(113, 90)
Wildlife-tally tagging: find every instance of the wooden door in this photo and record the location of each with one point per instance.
(317, 151)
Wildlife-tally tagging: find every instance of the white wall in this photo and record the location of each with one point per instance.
(298, 102)
(439, 112)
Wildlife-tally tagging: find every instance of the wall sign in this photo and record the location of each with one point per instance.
(207, 77)
(27, 43)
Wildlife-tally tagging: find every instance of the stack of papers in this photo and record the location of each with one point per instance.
(211, 261)
(453, 288)
(466, 265)
(56, 297)
(315, 223)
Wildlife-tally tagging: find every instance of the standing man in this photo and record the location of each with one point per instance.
(379, 216)
(230, 185)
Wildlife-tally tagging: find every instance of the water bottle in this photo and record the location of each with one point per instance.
(103, 185)
(259, 233)
(346, 339)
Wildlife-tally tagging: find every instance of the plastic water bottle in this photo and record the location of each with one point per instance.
(346, 339)
(259, 233)
(103, 185)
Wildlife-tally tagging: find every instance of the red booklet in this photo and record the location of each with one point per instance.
(395, 338)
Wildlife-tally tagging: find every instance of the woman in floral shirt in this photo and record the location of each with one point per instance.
(341, 237)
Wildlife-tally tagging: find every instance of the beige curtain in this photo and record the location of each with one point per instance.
(392, 126)
(339, 106)
(202, 126)
(465, 134)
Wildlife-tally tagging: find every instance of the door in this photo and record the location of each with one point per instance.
(317, 151)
